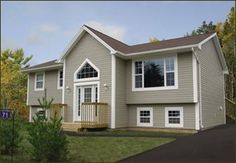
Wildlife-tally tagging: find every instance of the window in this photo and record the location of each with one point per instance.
(39, 81)
(174, 117)
(60, 79)
(144, 117)
(155, 73)
(42, 113)
(87, 72)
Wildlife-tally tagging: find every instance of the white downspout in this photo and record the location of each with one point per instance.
(200, 87)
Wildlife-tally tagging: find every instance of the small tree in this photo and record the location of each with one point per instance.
(10, 135)
(47, 136)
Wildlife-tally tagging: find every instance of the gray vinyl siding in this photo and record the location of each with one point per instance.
(50, 85)
(212, 90)
(121, 108)
(159, 114)
(184, 93)
(100, 56)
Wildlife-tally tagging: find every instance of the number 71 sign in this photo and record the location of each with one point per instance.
(5, 114)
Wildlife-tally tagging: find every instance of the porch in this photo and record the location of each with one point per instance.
(92, 115)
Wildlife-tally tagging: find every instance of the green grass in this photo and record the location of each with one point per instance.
(110, 149)
(116, 146)
(130, 133)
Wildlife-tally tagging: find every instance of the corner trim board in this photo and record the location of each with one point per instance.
(113, 91)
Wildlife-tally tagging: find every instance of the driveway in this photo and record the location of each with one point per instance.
(213, 145)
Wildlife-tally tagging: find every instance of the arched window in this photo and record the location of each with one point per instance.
(86, 71)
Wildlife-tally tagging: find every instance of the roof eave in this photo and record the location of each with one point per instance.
(130, 55)
(52, 67)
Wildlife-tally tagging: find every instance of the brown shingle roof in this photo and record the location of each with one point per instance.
(115, 44)
(124, 48)
(45, 64)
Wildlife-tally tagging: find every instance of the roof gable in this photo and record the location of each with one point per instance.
(125, 51)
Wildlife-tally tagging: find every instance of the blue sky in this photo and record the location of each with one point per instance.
(45, 28)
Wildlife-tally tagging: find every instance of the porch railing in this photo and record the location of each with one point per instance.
(230, 109)
(94, 115)
(58, 109)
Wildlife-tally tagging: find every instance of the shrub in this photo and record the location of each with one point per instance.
(46, 136)
(48, 139)
(9, 135)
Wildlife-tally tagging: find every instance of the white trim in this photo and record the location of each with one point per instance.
(161, 50)
(28, 81)
(100, 40)
(46, 111)
(205, 40)
(175, 56)
(140, 124)
(30, 114)
(78, 36)
(197, 120)
(221, 55)
(41, 68)
(195, 83)
(58, 79)
(35, 79)
(167, 124)
(75, 95)
(113, 91)
(86, 79)
(64, 84)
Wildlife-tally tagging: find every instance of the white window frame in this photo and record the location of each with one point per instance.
(35, 81)
(86, 79)
(58, 79)
(165, 87)
(167, 124)
(75, 95)
(140, 124)
(41, 109)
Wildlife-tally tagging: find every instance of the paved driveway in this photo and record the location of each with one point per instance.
(214, 145)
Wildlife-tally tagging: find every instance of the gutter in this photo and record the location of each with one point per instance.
(42, 68)
(200, 88)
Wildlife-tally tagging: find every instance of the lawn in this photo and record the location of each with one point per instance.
(110, 148)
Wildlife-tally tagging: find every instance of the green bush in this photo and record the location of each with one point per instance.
(48, 140)
(9, 136)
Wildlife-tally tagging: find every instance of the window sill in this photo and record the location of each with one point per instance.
(41, 89)
(155, 88)
(144, 125)
(86, 79)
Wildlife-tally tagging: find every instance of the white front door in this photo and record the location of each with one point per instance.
(88, 93)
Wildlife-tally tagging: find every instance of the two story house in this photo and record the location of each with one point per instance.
(176, 83)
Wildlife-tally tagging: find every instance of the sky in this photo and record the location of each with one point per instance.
(44, 29)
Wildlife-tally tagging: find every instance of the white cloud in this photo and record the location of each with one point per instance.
(114, 31)
(36, 35)
(48, 28)
(34, 38)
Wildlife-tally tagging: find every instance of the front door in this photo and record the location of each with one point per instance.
(88, 94)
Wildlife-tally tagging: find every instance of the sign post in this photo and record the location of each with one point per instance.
(7, 114)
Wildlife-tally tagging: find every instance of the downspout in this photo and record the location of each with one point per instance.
(200, 88)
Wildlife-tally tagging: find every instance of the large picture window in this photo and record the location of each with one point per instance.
(155, 73)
